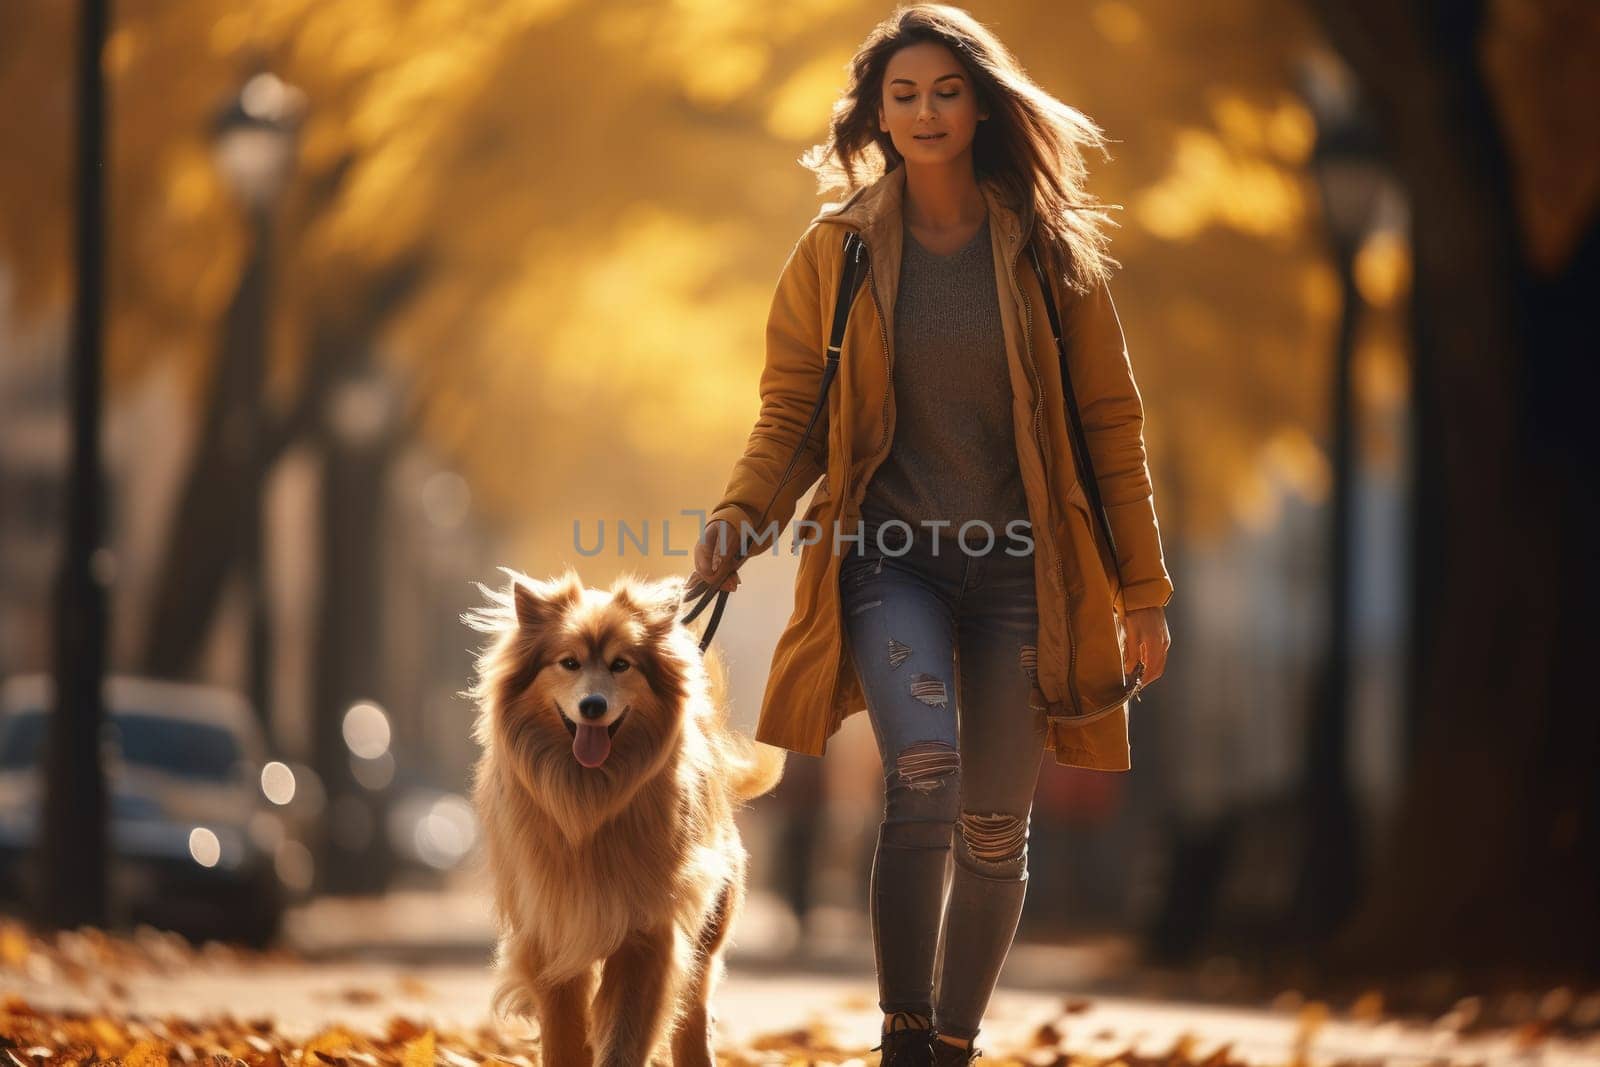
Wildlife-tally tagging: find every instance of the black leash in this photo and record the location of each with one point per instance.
(855, 257)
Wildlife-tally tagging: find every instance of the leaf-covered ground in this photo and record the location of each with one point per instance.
(80, 998)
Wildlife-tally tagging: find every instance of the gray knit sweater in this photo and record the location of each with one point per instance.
(954, 455)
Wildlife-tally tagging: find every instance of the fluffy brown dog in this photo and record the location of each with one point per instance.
(607, 790)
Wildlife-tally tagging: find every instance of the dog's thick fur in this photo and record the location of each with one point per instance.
(628, 875)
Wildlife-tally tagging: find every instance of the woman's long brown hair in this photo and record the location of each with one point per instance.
(1032, 144)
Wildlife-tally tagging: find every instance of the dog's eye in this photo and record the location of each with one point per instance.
(619, 665)
(570, 663)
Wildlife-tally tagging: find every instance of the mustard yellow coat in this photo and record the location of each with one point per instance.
(1080, 686)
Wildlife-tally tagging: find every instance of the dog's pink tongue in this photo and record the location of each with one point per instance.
(592, 745)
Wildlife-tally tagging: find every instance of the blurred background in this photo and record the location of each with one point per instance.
(378, 297)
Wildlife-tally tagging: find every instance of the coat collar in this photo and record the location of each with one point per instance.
(874, 211)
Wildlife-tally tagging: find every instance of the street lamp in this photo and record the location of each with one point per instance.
(255, 141)
(1347, 158)
(1351, 176)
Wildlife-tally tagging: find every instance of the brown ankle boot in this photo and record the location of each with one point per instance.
(947, 1055)
(905, 1042)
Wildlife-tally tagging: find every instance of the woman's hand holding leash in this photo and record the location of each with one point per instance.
(712, 551)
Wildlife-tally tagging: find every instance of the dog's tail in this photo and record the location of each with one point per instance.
(760, 771)
(756, 768)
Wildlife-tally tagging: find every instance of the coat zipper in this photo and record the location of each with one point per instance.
(1044, 458)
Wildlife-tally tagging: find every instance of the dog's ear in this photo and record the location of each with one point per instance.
(658, 603)
(541, 603)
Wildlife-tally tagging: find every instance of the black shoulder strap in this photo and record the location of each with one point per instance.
(855, 270)
(1080, 441)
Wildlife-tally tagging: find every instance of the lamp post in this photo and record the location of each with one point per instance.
(254, 142)
(219, 508)
(73, 840)
(1347, 164)
(354, 745)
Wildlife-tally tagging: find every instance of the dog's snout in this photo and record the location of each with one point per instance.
(592, 707)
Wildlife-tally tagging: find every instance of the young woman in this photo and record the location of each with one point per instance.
(953, 580)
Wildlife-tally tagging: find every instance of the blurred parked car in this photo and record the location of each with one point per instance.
(194, 837)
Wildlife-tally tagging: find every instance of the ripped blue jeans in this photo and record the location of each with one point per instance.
(943, 645)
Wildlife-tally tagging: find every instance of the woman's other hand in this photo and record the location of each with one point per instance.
(1147, 640)
(716, 543)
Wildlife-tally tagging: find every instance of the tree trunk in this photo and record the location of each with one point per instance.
(1491, 865)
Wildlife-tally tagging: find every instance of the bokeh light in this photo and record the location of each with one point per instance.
(366, 730)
